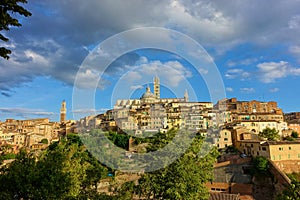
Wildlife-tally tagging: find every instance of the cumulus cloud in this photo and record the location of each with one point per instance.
(271, 71)
(172, 71)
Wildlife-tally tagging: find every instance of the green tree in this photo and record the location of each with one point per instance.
(64, 171)
(292, 192)
(261, 164)
(270, 134)
(7, 8)
(183, 179)
(294, 134)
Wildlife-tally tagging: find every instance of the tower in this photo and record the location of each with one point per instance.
(63, 111)
(186, 96)
(156, 87)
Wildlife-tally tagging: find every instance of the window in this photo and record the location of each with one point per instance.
(290, 148)
(280, 148)
(251, 145)
(273, 157)
(279, 156)
(289, 156)
(264, 148)
(225, 139)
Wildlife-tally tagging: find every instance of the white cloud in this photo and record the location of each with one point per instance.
(237, 73)
(229, 89)
(270, 71)
(247, 61)
(132, 76)
(172, 71)
(247, 90)
(136, 87)
(273, 90)
(88, 79)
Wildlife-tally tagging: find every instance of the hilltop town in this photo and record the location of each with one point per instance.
(245, 130)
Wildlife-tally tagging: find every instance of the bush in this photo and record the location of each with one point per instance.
(294, 134)
(44, 141)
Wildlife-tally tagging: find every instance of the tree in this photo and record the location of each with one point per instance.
(261, 164)
(270, 134)
(8, 7)
(292, 192)
(294, 134)
(64, 171)
(183, 179)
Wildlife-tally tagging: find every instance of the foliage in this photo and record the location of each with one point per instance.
(120, 140)
(64, 171)
(183, 179)
(157, 141)
(7, 8)
(289, 138)
(292, 192)
(270, 134)
(261, 165)
(294, 134)
(44, 141)
(7, 156)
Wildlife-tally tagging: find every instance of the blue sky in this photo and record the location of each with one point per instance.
(254, 44)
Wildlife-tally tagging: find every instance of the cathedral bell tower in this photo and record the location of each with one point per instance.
(63, 111)
(156, 87)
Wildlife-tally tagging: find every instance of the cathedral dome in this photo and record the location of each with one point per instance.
(148, 94)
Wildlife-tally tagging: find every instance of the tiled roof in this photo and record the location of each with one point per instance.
(223, 196)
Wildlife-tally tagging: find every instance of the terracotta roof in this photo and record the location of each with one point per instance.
(223, 196)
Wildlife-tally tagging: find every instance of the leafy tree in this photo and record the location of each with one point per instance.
(292, 192)
(120, 140)
(19, 180)
(8, 7)
(183, 179)
(64, 171)
(261, 164)
(270, 134)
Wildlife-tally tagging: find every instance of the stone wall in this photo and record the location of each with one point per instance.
(288, 166)
(280, 178)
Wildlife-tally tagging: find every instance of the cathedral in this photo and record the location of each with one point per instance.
(149, 98)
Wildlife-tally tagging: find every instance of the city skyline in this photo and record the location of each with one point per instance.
(255, 48)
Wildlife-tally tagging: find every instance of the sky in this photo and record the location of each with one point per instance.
(252, 47)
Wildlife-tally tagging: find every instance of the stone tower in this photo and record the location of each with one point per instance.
(63, 111)
(186, 96)
(156, 87)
